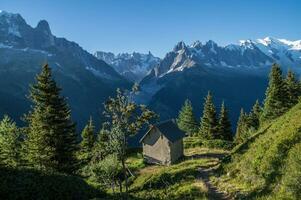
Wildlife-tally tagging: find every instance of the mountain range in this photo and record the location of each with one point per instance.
(86, 81)
(236, 73)
(248, 54)
(133, 66)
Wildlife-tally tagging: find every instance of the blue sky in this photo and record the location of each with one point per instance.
(157, 25)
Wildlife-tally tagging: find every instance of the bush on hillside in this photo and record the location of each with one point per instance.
(191, 142)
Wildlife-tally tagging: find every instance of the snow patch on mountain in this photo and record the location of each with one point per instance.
(4, 46)
(295, 45)
(14, 30)
(249, 54)
(286, 52)
(134, 66)
(100, 73)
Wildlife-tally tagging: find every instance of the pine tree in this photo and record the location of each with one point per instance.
(254, 115)
(51, 141)
(293, 89)
(208, 126)
(101, 147)
(87, 143)
(224, 124)
(10, 143)
(241, 127)
(186, 119)
(275, 103)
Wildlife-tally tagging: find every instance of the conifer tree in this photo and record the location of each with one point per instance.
(101, 148)
(293, 89)
(186, 119)
(10, 143)
(51, 141)
(241, 127)
(254, 115)
(208, 126)
(275, 103)
(87, 143)
(224, 124)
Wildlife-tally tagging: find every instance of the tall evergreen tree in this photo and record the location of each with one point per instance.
(101, 147)
(208, 126)
(254, 115)
(10, 143)
(241, 127)
(51, 141)
(186, 119)
(293, 88)
(275, 103)
(88, 142)
(224, 124)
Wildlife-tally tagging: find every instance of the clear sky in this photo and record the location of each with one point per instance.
(157, 25)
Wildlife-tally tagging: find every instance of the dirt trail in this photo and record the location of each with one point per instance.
(204, 174)
(213, 192)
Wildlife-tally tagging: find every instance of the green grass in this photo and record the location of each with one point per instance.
(259, 168)
(135, 161)
(188, 190)
(171, 182)
(192, 142)
(203, 151)
(179, 181)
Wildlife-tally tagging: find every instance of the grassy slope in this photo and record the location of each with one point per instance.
(179, 181)
(268, 166)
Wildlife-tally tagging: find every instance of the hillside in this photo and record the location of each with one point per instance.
(267, 166)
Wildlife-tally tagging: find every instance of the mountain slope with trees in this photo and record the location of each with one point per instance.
(87, 81)
(236, 74)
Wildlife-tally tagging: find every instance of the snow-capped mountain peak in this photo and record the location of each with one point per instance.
(134, 66)
(294, 45)
(280, 43)
(197, 45)
(7, 14)
(181, 45)
(248, 53)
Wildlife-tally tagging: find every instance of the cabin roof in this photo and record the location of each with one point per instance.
(169, 129)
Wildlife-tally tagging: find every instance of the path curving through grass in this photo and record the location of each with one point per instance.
(204, 173)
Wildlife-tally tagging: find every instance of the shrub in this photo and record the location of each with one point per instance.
(218, 144)
(191, 142)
